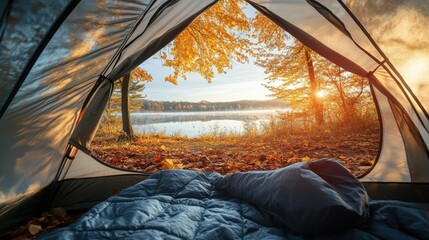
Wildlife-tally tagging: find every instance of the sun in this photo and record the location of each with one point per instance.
(321, 94)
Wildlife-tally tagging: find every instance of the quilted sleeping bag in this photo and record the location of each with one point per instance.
(319, 199)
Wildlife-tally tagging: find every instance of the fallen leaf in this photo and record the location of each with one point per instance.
(168, 164)
(34, 229)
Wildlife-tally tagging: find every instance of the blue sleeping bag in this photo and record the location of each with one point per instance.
(308, 197)
(319, 199)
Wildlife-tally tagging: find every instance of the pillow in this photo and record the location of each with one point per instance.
(309, 197)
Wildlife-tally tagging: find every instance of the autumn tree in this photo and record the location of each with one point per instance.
(289, 62)
(348, 91)
(211, 43)
(128, 95)
(305, 79)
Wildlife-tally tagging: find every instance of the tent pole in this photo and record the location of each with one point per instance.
(4, 17)
(55, 182)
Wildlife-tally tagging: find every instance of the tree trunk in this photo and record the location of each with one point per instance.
(126, 118)
(317, 105)
(348, 106)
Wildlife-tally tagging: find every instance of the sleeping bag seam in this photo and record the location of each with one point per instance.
(174, 197)
(108, 203)
(240, 209)
(157, 184)
(185, 185)
(128, 229)
(94, 215)
(203, 212)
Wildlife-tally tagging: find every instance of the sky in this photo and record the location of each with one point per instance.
(242, 82)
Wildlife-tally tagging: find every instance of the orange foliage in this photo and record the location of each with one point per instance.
(141, 75)
(212, 42)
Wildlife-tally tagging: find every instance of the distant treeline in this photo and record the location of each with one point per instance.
(167, 106)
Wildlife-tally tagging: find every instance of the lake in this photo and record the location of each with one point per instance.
(195, 124)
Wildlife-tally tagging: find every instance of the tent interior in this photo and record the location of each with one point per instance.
(60, 59)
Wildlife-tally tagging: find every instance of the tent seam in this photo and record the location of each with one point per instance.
(38, 51)
(345, 28)
(120, 49)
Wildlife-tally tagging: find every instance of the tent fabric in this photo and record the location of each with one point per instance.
(84, 133)
(407, 192)
(23, 25)
(84, 166)
(45, 109)
(92, 190)
(38, 123)
(416, 151)
(385, 22)
(355, 49)
(392, 153)
(403, 37)
(22, 208)
(304, 17)
(392, 87)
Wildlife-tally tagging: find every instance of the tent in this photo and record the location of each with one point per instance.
(59, 59)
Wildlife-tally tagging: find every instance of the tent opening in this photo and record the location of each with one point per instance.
(239, 97)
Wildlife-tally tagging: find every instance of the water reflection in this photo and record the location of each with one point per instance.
(195, 124)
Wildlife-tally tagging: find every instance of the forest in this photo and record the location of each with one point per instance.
(173, 106)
